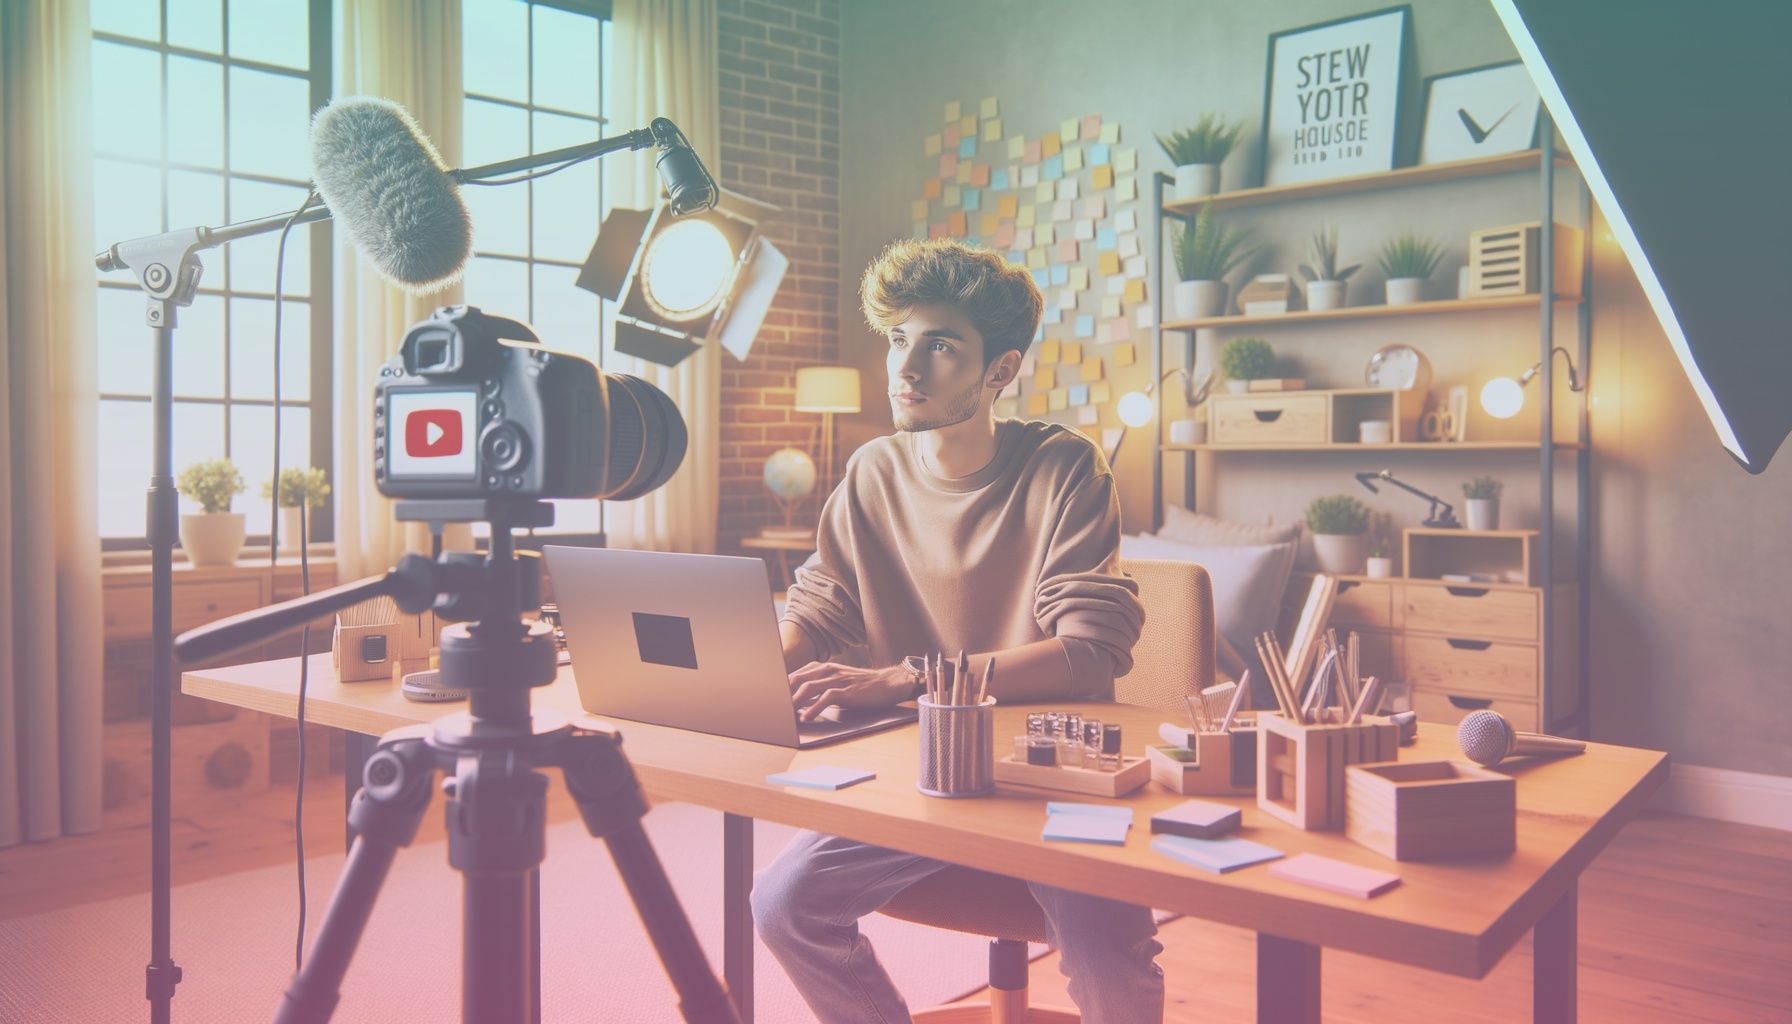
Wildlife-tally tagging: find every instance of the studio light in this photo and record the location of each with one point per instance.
(1502, 397)
(683, 280)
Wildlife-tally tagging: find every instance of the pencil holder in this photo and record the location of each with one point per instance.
(958, 748)
(1300, 766)
(1220, 763)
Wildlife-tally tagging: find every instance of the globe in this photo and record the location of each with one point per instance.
(789, 475)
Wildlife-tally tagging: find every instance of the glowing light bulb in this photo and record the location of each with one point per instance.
(685, 272)
(1502, 397)
(1135, 409)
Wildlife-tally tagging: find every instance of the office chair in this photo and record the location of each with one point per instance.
(1173, 657)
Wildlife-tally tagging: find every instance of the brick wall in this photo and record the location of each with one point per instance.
(780, 105)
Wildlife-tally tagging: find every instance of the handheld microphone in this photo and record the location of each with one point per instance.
(689, 188)
(1486, 738)
(385, 183)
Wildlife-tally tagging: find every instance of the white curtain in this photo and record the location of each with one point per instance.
(665, 66)
(50, 655)
(407, 51)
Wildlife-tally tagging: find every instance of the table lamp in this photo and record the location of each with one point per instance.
(827, 390)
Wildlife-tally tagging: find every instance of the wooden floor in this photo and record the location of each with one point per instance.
(1681, 919)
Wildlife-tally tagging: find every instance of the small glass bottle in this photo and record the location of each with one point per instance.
(1091, 744)
(1110, 748)
(1042, 750)
(1070, 740)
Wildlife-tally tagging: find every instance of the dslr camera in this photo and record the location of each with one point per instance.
(473, 406)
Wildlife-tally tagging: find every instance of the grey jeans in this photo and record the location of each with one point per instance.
(808, 902)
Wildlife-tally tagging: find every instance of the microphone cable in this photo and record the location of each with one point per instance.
(530, 176)
(298, 819)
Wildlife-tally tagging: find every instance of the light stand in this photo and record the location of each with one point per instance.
(1441, 515)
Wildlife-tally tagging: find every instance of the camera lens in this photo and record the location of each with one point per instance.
(647, 438)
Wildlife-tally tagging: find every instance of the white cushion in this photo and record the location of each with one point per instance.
(1248, 580)
(1189, 527)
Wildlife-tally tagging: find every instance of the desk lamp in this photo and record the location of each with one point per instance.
(1441, 515)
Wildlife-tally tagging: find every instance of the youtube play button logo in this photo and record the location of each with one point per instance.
(432, 433)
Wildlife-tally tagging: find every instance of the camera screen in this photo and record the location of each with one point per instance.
(433, 434)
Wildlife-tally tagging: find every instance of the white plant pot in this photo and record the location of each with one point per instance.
(212, 538)
(1341, 554)
(1238, 387)
(289, 528)
(1196, 299)
(1404, 291)
(1374, 432)
(1189, 431)
(1483, 513)
(1196, 180)
(1380, 568)
(1323, 295)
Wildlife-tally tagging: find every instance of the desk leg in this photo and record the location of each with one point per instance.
(354, 759)
(1554, 959)
(1287, 981)
(737, 912)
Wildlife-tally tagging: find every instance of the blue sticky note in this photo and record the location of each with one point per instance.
(967, 147)
(1017, 257)
(1085, 326)
(1216, 855)
(822, 776)
(1100, 810)
(1060, 274)
(998, 178)
(1053, 315)
(1098, 153)
(1079, 394)
(1041, 277)
(1053, 168)
(1086, 828)
(972, 198)
(1105, 239)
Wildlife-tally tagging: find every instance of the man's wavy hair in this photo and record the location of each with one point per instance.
(1000, 300)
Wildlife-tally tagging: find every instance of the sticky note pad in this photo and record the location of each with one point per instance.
(1067, 132)
(917, 210)
(1023, 218)
(967, 146)
(1053, 168)
(930, 146)
(980, 175)
(1017, 147)
(952, 196)
(968, 124)
(1126, 160)
(1045, 192)
(972, 198)
(1092, 368)
(1110, 307)
(950, 135)
(951, 110)
(1335, 875)
(1098, 154)
(1135, 291)
(1198, 819)
(1087, 416)
(1104, 177)
(1110, 132)
(1067, 189)
(1036, 257)
(1100, 391)
(1079, 278)
(1074, 807)
(1126, 189)
(992, 130)
(1105, 239)
(1048, 353)
(1029, 176)
(1073, 352)
(1067, 299)
(1036, 404)
(822, 776)
(931, 188)
(987, 108)
(1085, 328)
(1126, 220)
(1083, 230)
(1108, 263)
(1125, 355)
(1007, 206)
(955, 224)
(1023, 237)
(1087, 828)
(1079, 394)
(1095, 207)
(988, 224)
(1046, 377)
(1045, 234)
(1030, 151)
(1059, 399)
(1067, 250)
(1091, 127)
(1073, 159)
(1216, 855)
(1050, 145)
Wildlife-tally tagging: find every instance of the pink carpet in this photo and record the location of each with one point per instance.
(233, 939)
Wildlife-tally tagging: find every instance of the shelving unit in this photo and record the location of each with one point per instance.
(1552, 657)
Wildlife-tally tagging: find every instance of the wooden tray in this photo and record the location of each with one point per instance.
(1134, 772)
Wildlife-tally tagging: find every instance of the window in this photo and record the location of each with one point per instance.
(201, 118)
(534, 75)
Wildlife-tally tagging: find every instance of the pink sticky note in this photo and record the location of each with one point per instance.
(1005, 236)
(1067, 250)
(1095, 207)
(937, 229)
(1335, 875)
(980, 175)
(948, 164)
(949, 135)
(1030, 155)
(1091, 128)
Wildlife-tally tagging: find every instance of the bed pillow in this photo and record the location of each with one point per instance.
(1248, 580)
(1180, 524)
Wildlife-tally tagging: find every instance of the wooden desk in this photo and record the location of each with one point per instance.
(1458, 918)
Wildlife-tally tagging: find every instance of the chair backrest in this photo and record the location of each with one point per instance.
(1175, 653)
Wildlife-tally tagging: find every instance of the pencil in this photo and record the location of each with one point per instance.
(963, 676)
(989, 676)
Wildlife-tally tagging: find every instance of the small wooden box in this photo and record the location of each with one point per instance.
(1268, 294)
(1300, 767)
(1134, 772)
(1507, 261)
(1270, 418)
(1431, 810)
(1220, 764)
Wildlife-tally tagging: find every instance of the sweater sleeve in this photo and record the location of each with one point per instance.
(1081, 597)
(824, 598)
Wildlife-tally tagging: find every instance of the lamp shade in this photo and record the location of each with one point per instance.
(827, 389)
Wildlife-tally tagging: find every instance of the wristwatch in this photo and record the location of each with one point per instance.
(917, 674)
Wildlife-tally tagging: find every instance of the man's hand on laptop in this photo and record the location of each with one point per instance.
(820, 685)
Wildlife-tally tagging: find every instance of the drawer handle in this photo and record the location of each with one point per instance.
(1468, 591)
(1470, 703)
(1468, 645)
(1267, 415)
(1344, 585)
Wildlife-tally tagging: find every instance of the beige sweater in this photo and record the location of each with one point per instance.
(1025, 549)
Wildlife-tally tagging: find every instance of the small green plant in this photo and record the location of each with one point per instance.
(1208, 251)
(211, 483)
(1323, 251)
(1381, 535)
(1337, 513)
(1481, 488)
(1248, 359)
(1210, 141)
(299, 484)
(1408, 255)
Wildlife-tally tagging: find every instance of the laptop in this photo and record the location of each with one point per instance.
(689, 641)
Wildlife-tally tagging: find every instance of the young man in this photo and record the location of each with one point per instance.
(957, 532)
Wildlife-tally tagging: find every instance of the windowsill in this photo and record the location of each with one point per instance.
(251, 560)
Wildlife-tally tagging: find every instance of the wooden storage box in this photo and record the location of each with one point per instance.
(1300, 768)
(1431, 810)
(1134, 772)
(1270, 418)
(1508, 261)
(1220, 763)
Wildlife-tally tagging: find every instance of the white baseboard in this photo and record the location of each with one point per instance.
(1746, 798)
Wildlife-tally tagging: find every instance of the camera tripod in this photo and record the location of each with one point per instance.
(497, 800)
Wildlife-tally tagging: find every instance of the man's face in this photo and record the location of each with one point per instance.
(936, 369)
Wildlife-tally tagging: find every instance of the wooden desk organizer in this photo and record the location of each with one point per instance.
(1431, 810)
(1134, 772)
(1220, 764)
(1300, 767)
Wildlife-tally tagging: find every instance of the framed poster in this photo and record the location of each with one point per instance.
(1331, 102)
(1480, 111)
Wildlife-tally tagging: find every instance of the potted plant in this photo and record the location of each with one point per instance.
(1325, 279)
(1407, 261)
(1381, 546)
(1198, 152)
(1340, 527)
(1205, 254)
(1244, 360)
(296, 485)
(213, 535)
(1483, 494)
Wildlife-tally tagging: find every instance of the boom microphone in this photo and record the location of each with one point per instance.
(1486, 738)
(386, 184)
(689, 188)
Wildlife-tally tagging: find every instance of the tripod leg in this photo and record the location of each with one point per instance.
(497, 837)
(603, 784)
(385, 816)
